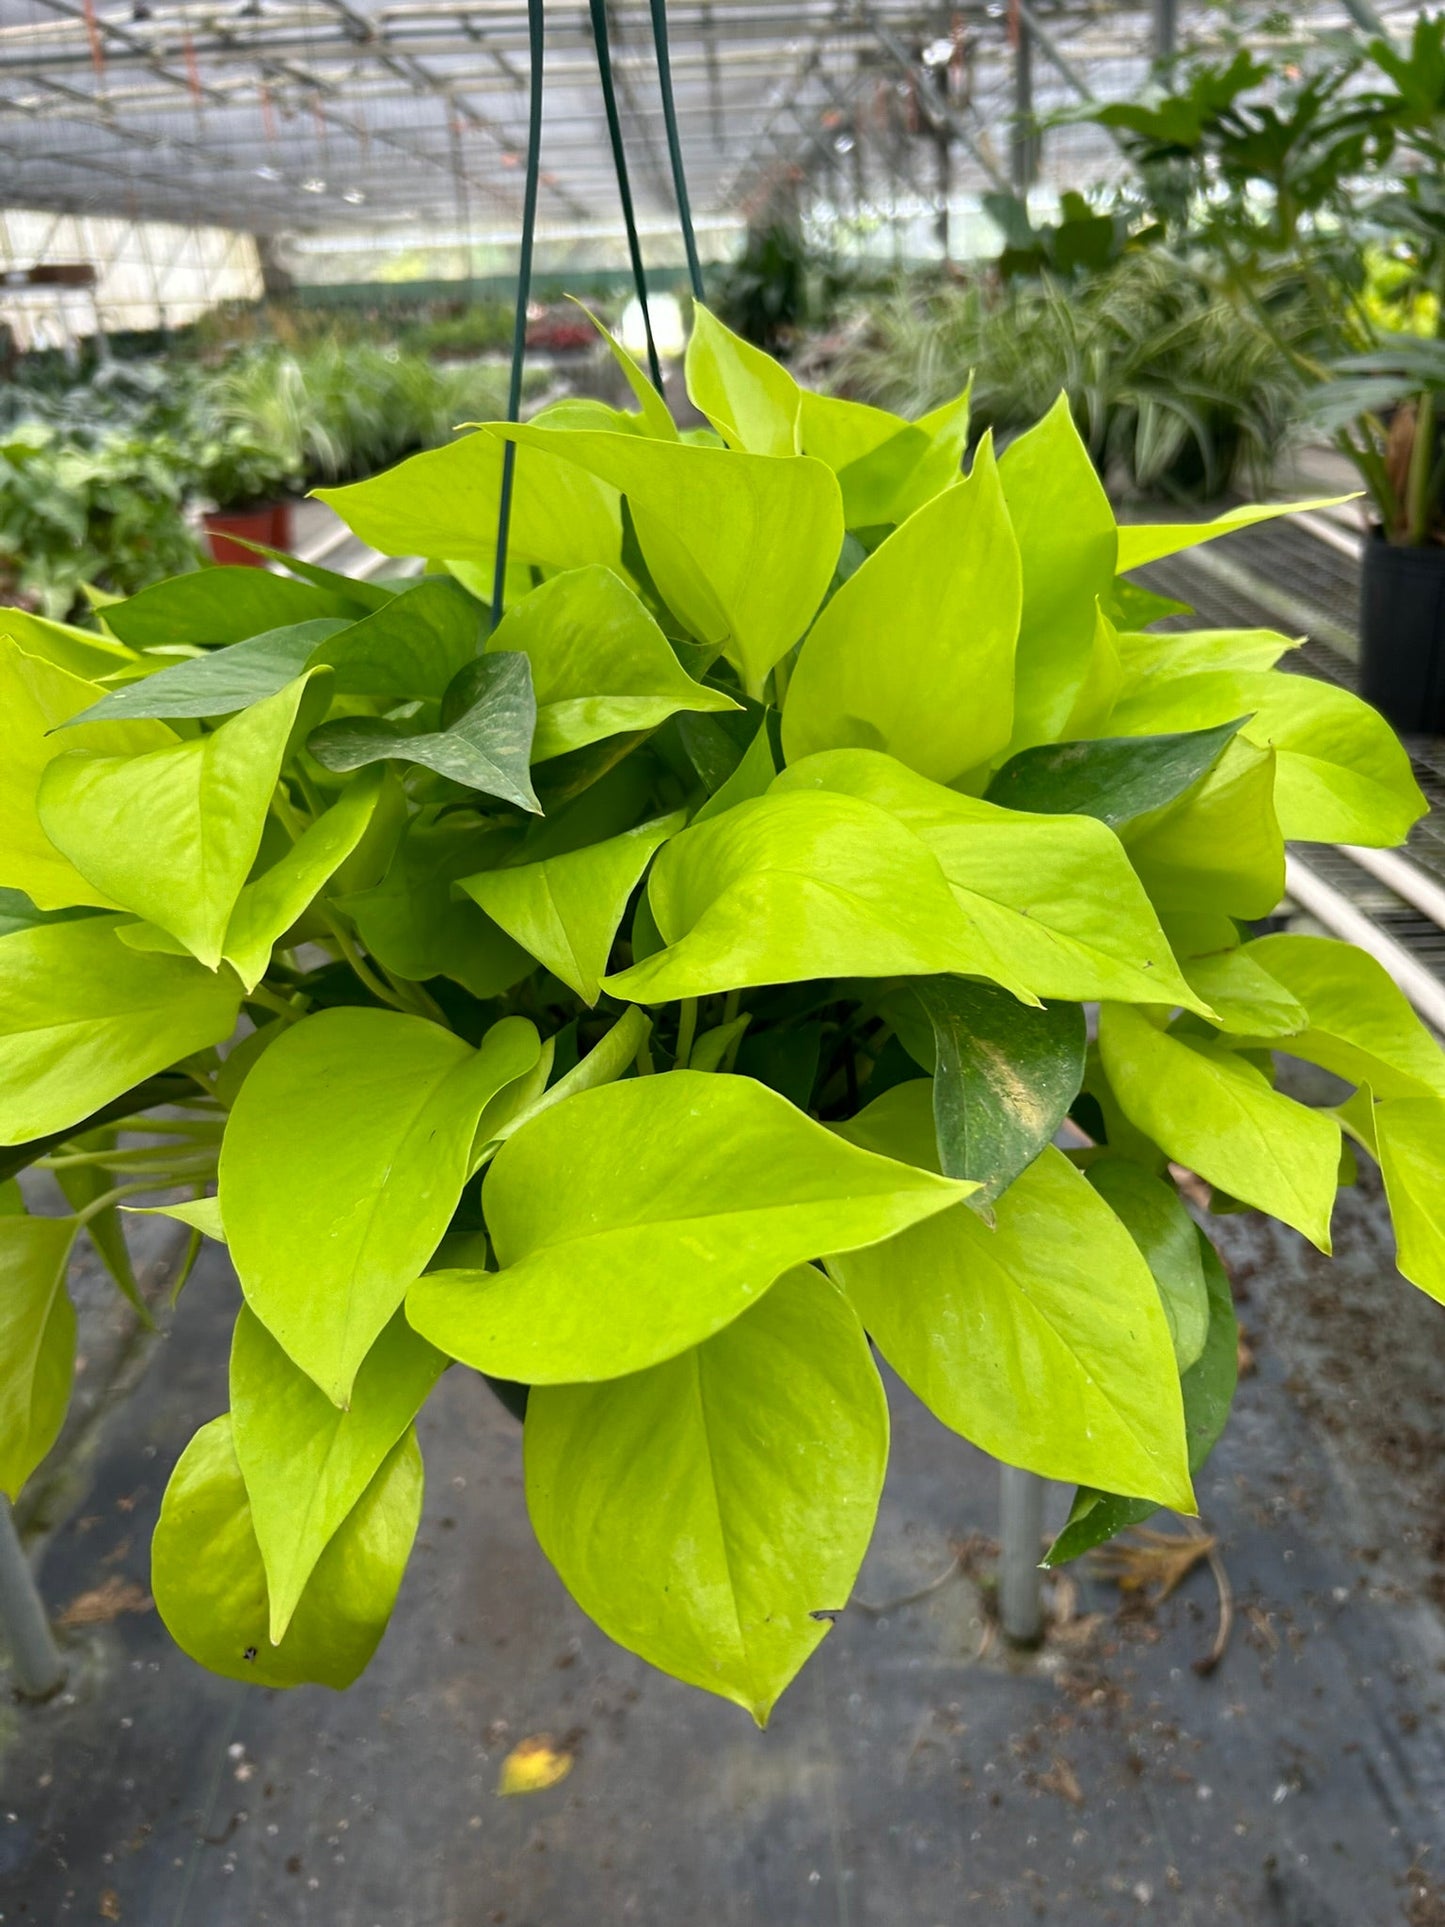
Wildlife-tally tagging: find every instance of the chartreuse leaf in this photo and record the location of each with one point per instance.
(1210, 1109)
(487, 748)
(565, 910)
(1042, 1340)
(37, 1341)
(209, 1580)
(1004, 1078)
(1067, 541)
(872, 453)
(343, 1160)
(1219, 848)
(651, 1242)
(1151, 1212)
(752, 776)
(172, 833)
(1245, 997)
(1053, 897)
(750, 399)
(600, 664)
(201, 1214)
(1358, 1022)
(1192, 652)
(655, 418)
(445, 502)
(610, 1058)
(914, 653)
(1143, 542)
(83, 1018)
(741, 547)
(306, 1464)
(1341, 773)
(711, 1512)
(412, 646)
(1406, 1137)
(1208, 1391)
(413, 924)
(268, 906)
(940, 465)
(1114, 779)
(211, 607)
(220, 682)
(36, 698)
(82, 651)
(794, 886)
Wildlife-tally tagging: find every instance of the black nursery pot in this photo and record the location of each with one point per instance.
(1402, 635)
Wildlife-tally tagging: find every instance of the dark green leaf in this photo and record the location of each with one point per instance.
(214, 606)
(222, 681)
(1112, 778)
(1005, 1077)
(486, 749)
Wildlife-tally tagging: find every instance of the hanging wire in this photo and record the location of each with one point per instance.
(674, 146)
(624, 188)
(524, 292)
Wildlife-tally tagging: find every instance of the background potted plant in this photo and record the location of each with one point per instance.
(652, 998)
(246, 482)
(1314, 187)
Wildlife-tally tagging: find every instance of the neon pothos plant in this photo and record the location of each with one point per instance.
(649, 1001)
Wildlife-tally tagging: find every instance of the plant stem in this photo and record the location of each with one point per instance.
(270, 999)
(363, 970)
(108, 1198)
(644, 1058)
(1417, 487)
(686, 1031)
(156, 1156)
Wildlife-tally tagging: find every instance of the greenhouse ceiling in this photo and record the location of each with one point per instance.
(318, 116)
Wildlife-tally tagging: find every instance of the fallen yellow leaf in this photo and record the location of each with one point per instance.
(533, 1765)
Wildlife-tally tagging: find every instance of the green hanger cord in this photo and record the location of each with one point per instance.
(674, 145)
(600, 40)
(524, 293)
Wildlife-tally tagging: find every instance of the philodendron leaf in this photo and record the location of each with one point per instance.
(342, 1163)
(445, 503)
(741, 547)
(1341, 775)
(914, 654)
(172, 834)
(1359, 1023)
(1406, 1137)
(1143, 542)
(565, 910)
(487, 748)
(201, 1214)
(1191, 652)
(1052, 897)
(1113, 779)
(1208, 1391)
(412, 646)
(84, 652)
(652, 1242)
(1151, 1212)
(1042, 1340)
(600, 664)
(37, 1341)
(1067, 542)
(1211, 1110)
(653, 417)
(752, 776)
(210, 1583)
(712, 1512)
(212, 607)
(750, 399)
(83, 1018)
(790, 887)
(886, 467)
(36, 699)
(268, 906)
(306, 1464)
(1003, 1081)
(220, 682)
(1219, 847)
(413, 923)
(1246, 998)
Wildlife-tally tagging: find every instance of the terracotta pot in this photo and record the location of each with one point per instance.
(268, 522)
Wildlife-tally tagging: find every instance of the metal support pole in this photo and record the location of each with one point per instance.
(39, 1670)
(1166, 25)
(1024, 142)
(1020, 1531)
